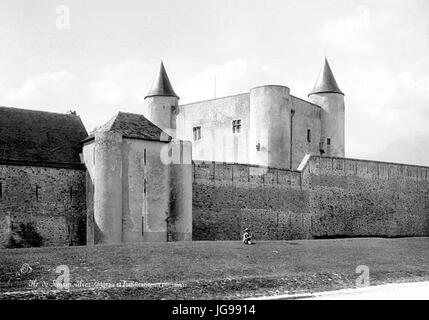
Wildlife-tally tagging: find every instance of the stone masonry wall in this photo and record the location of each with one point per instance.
(230, 197)
(306, 117)
(52, 198)
(331, 197)
(218, 142)
(351, 197)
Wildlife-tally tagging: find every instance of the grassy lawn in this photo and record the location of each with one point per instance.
(224, 269)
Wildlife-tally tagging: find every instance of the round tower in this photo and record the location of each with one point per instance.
(161, 102)
(107, 161)
(328, 95)
(270, 123)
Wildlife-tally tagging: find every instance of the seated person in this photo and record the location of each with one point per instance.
(247, 238)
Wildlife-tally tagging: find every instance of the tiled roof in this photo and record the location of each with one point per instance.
(40, 137)
(132, 125)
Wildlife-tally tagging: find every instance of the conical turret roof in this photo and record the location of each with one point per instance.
(326, 81)
(162, 86)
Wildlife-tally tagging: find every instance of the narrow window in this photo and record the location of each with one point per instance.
(144, 186)
(322, 147)
(142, 225)
(144, 156)
(197, 133)
(37, 192)
(236, 126)
(308, 135)
(328, 141)
(1, 190)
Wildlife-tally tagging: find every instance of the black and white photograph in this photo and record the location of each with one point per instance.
(218, 155)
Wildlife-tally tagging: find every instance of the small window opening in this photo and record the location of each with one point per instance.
(197, 133)
(71, 193)
(1, 190)
(236, 126)
(144, 156)
(328, 141)
(144, 186)
(322, 147)
(37, 192)
(308, 135)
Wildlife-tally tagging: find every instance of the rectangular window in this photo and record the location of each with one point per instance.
(1, 190)
(37, 192)
(144, 156)
(308, 135)
(236, 126)
(328, 141)
(197, 133)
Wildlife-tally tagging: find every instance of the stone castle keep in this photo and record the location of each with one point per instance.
(202, 171)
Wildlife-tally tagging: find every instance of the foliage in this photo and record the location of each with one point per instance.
(25, 236)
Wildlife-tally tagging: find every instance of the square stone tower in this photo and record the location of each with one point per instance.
(139, 183)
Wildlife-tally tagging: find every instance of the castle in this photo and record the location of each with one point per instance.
(264, 159)
(267, 126)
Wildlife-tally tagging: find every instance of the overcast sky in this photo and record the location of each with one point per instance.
(104, 57)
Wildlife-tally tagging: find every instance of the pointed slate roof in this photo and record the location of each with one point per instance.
(40, 138)
(132, 125)
(326, 81)
(162, 85)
